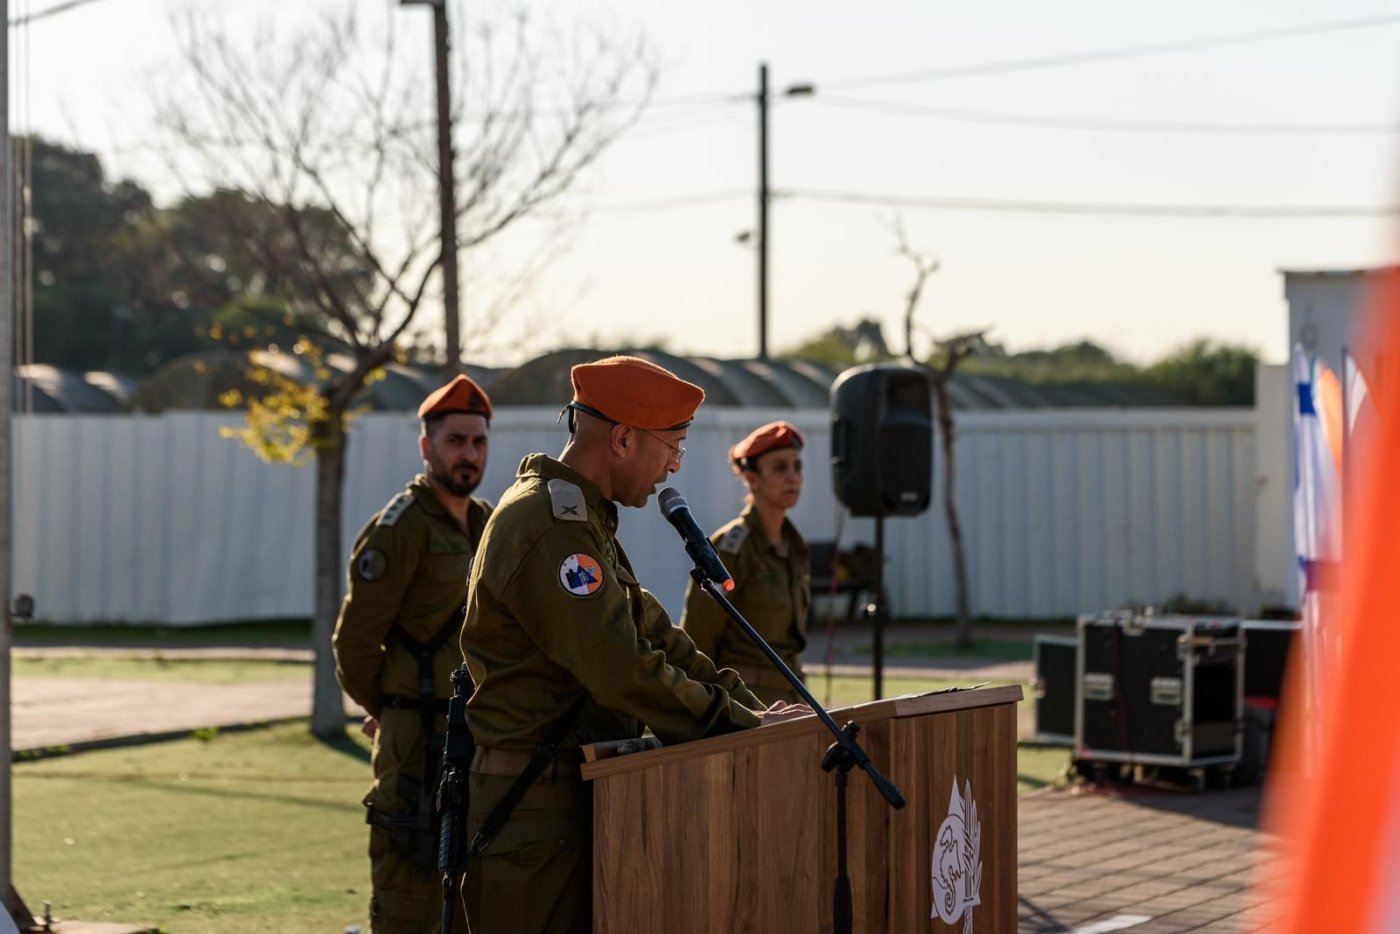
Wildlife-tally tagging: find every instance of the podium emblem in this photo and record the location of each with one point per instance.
(957, 860)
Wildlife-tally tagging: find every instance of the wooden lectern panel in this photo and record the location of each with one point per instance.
(968, 749)
(738, 833)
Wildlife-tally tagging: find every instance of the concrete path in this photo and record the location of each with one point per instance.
(86, 712)
(50, 712)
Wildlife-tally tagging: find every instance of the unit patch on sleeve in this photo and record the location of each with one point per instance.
(580, 574)
(372, 564)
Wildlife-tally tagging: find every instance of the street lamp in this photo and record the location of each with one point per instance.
(447, 196)
(792, 90)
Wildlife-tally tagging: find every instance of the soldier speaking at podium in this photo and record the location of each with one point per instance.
(567, 648)
(396, 648)
(768, 559)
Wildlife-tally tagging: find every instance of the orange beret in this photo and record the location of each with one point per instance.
(460, 395)
(765, 438)
(632, 391)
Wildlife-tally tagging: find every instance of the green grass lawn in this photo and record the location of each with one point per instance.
(120, 668)
(1001, 650)
(290, 633)
(255, 831)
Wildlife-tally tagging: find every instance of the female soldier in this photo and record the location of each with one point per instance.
(768, 560)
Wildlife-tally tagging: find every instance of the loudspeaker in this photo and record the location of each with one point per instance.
(882, 440)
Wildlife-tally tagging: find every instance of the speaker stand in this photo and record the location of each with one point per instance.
(876, 610)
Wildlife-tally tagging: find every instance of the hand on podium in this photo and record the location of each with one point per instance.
(782, 710)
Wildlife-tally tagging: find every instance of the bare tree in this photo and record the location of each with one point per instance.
(327, 131)
(941, 364)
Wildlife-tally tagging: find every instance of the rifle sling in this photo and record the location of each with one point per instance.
(540, 759)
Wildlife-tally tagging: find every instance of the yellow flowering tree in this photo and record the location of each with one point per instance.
(318, 139)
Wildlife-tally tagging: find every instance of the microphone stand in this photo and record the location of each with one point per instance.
(839, 758)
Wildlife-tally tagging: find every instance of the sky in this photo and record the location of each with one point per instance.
(656, 255)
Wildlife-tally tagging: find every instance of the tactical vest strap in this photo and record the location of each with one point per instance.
(415, 834)
(425, 652)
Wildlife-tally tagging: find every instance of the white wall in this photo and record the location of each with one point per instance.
(1326, 314)
(1275, 565)
(157, 518)
(1071, 511)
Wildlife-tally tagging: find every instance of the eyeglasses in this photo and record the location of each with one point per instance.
(679, 452)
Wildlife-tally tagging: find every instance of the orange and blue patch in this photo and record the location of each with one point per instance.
(581, 574)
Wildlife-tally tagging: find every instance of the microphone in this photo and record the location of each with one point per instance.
(677, 512)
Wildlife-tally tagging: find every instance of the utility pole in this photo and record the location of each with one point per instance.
(447, 191)
(763, 211)
(793, 90)
(7, 364)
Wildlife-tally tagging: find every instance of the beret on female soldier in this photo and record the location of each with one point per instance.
(765, 438)
(460, 395)
(636, 392)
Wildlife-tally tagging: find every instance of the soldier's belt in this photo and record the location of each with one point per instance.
(509, 763)
(437, 705)
(405, 820)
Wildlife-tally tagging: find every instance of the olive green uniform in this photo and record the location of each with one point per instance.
(772, 588)
(409, 568)
(555, 614)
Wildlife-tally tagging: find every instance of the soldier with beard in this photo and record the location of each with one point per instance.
(396, 647)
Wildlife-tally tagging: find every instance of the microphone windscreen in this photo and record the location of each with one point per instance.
(670, 500)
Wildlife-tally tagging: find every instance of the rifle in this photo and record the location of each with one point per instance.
(452, 794)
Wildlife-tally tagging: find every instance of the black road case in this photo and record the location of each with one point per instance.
(1056, 673)
(1159, 690)
(1268, 644)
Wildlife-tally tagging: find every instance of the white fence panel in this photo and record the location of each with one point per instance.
(157, 518)
(1068, 511)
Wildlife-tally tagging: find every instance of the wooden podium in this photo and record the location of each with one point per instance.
(738, 833)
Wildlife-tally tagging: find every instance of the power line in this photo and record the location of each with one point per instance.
(683, 122)
(63, 7)
(1037, 63)
(1096, 209)
(667, 204)
(1093, 56)
(1105, 125)
(680, 100)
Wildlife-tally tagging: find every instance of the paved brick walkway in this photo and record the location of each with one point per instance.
(1143, 861)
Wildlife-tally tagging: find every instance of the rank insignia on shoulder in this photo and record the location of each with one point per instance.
(580, 574)
(567, 500)
(396, 508)
(371, 565)
(733, 540)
